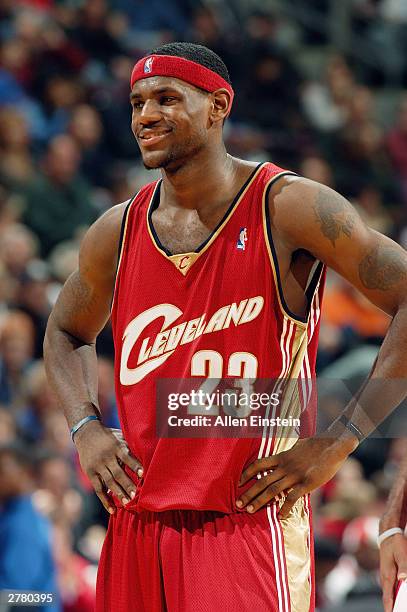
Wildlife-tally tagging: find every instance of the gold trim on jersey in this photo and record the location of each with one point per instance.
(296, 532)
(175, 259)
(183, 261)
(272, 262)
(121, 245)
(290, 406)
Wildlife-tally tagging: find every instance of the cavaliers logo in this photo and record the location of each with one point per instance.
(184, 262)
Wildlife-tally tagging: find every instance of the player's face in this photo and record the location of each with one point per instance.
(169, 121)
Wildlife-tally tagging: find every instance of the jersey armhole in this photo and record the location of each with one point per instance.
(120, 249)
(315, 273)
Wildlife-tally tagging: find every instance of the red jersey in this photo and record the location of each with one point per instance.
(216, 312)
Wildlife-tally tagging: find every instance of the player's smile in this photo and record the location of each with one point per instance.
(149, 137)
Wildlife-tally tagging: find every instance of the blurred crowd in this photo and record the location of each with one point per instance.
(67, 154)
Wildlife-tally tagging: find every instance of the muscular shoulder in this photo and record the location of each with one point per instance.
(314, 217)
(305, 212)
(99, 249)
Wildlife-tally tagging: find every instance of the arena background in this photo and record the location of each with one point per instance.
(320, 90)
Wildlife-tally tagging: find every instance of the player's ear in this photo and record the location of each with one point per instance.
(220, 105)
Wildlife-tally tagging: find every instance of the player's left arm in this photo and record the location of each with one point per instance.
(307, 215)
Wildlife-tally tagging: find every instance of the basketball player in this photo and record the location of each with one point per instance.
(216, 270)
(393, 546)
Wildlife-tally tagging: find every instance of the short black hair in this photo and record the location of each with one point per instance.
(196, 53)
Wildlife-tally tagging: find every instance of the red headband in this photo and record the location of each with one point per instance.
(180, 68)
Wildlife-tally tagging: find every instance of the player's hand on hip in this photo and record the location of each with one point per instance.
(307, 465)
(393, 567)
(103, 454)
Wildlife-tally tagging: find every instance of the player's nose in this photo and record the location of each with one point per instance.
(150, 113)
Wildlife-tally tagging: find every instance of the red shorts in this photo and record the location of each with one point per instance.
(201, 561)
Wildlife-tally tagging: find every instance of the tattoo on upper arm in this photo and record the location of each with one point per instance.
(334, 215)
(383, 267)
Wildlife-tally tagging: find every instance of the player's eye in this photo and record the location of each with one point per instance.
(138, 105)
(168, 100)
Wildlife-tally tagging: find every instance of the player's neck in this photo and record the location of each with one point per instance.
(195, 184)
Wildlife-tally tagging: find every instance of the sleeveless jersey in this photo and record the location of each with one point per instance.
(216, 312)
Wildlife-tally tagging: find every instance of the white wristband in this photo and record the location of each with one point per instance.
(387, 534)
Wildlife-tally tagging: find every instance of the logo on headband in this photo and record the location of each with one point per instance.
(148, 65)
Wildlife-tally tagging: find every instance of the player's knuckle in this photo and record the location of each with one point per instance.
(109, 480)
(123, 451)
(272, 490)
(296, 473)
(256, 466)
(115, 470)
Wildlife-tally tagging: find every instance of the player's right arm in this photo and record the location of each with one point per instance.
(393, 551)
(80, 313)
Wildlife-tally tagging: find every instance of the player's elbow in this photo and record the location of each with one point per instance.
(48, 337)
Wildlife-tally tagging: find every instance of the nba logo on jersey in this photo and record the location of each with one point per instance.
(241, 241)
(148, 65)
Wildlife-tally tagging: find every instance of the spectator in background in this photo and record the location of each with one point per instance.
(148, 18)
(7, 286)
(39, 403)
(357, 575)
(271, 101)
(60, 96)
(56, 495)
(56, 436)
(58, 202)
(76, 576)
(369, 204)
(317, 169)
(325, 103)
(208, 29)
(91, 32)
(349, 323)
(26, 560)
(9, 210)
(33, 299)
(87, 129)
(16, 354)
(8, 428)
(106, 393)
(397, 147)
(113, 101)
(344, 307)
(16, 165)
(327, 554)
(18, 247)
